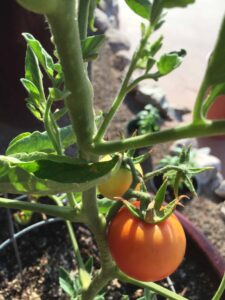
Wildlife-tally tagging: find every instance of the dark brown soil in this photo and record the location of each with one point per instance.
(45, 250)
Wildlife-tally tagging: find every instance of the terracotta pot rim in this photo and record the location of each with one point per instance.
(210, 253)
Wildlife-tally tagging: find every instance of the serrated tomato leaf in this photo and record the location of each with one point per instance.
(43, 57)
(91, 45)
(176, 3)
(39, 141)
(170, 61)
(160, 195)
(66, 283)
(52, 174)
(104, 205)
(215, 73)
(136, 212)
(32, 70)
(140, 7)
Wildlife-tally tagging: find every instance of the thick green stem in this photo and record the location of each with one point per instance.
(209, 128)
(97, 224)
(65, 30)
(67, 213)
(64, 26)
(40, 6)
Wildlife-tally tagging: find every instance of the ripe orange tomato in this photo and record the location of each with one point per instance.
(118, 183)
(146, 252)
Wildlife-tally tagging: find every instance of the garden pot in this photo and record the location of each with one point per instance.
(217, 110)
(216, 143)
(205, 249)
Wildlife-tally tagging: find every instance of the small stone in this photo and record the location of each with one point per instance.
(222, 211)
(220, 191)
(101, 21)
(111, 9)
(121, 60)
(117, 40)
(203, 160)
(155, 96)
(216, 182)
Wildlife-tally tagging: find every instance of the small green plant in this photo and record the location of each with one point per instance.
(178, 181)
(36, 163)
(146, 121)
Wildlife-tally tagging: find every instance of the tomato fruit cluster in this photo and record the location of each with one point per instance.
(146, 252)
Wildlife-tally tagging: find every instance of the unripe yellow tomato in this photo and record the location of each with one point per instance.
(119, 182)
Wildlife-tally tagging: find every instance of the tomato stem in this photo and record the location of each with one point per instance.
(150, 285)
(219, 293)
(189, 130)
(124, 87)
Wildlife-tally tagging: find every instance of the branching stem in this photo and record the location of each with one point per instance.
(124, 87)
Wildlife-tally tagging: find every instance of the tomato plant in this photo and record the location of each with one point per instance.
(147, 243)
(147, 252)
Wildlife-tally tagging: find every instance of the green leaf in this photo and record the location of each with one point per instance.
(91, 45)
(156, 12)
(140, 7)
(44, 58)
(99, 297)
(31, 89)
(125, 297)
(56, 94)
(66, 283)
(216, 90)
(89, 265)
(146, 60)
(189, 184)
(176, 3)
(52, 174)
(215, 72)
(23, 217)
(91, 15)
(160, 195)
(170, 61)
(141, 158)
(161, 215)
(149, 295)
(156, 46)
(33, 109)
(32, 70)
(194, 171)
(77, 285)
(59, 113)
(104, 205)
(39, 141)
(135, 211)
(35, 102)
